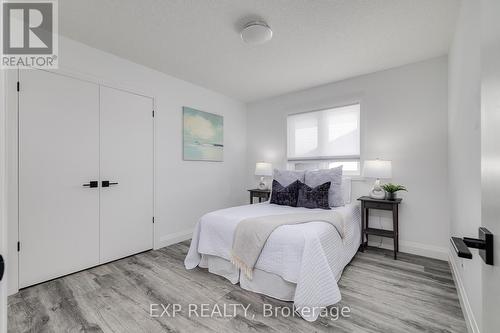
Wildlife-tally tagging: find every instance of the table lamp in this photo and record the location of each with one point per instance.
(377, 169)
(263, 169)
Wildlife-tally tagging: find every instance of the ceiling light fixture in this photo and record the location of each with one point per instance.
(256, 32)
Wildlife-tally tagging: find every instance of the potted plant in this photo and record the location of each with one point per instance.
(391, 190)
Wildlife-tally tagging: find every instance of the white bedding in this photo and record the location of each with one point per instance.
(311, 255)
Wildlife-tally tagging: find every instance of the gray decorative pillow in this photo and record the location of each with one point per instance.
(286, 177)
(334, 176)
(316, 197)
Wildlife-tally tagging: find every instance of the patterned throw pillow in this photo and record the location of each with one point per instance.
(334, 175)
(316, 197)
(285, 196)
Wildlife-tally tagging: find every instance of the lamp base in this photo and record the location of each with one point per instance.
(262, 184)
(377, 192)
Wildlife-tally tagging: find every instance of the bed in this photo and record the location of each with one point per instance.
(300, 262)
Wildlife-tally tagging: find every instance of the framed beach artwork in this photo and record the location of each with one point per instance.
(203, 135)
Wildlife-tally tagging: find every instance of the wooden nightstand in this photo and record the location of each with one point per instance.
(261, 194)
(368, 203)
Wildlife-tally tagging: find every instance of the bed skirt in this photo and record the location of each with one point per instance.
(265, 283)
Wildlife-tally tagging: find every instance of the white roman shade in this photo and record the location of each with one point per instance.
(332, 134)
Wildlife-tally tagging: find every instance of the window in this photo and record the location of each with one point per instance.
(325, 139)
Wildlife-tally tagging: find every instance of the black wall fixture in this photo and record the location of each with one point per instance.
(484, 243)
(107, 183)
(2, 267)
(92, 183)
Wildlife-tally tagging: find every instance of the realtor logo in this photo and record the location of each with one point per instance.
(29, 36)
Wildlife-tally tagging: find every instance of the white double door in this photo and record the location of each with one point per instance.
(74, 135)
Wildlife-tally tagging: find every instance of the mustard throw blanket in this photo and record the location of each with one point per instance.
(251, 234)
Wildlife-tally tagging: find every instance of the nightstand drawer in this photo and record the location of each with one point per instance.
(379, 205)
(261, 194)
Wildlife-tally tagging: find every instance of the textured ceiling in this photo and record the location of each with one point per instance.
(314, 41)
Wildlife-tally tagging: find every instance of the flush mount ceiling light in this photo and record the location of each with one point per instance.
(256, 32)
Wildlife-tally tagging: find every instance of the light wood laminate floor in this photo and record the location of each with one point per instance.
(412, 294)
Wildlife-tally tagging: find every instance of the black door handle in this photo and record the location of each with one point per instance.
(2, 267)
(484, 243)
(107, 183)
(92, 183)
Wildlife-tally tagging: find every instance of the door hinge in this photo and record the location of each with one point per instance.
(153, 219)
(18, 246)
(153, 113)
(18, 86)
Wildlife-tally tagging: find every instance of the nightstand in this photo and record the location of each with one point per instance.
(368, 203)
(261, 194)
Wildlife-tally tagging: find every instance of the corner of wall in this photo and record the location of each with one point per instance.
(174, 238)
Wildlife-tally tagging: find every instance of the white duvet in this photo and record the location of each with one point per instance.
(311, 255)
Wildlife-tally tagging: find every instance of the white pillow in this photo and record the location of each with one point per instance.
(346, 189)
(286, 177)
(334, 176)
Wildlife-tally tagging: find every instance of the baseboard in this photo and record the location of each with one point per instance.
(425, 250)
(470, 320)
(174, 238)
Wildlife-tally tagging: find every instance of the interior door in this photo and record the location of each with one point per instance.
(490, 157)
(58, 154)
(127, 164)
(3, 205)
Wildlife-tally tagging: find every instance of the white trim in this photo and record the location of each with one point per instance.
(347, 158)
(155, 168)
(325, 164)
(420, 249)
(339, 105)
(174, 238)
(470, 320)
(12, 100)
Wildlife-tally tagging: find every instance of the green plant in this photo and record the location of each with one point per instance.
(393, 188)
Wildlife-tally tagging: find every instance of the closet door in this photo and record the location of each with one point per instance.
(127, 164)
(58, 154)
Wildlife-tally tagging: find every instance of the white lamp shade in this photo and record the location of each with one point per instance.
(263, 169)
(377, 169)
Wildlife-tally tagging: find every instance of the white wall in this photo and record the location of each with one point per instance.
(184, 189)
(404, 119)
(464, 118)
